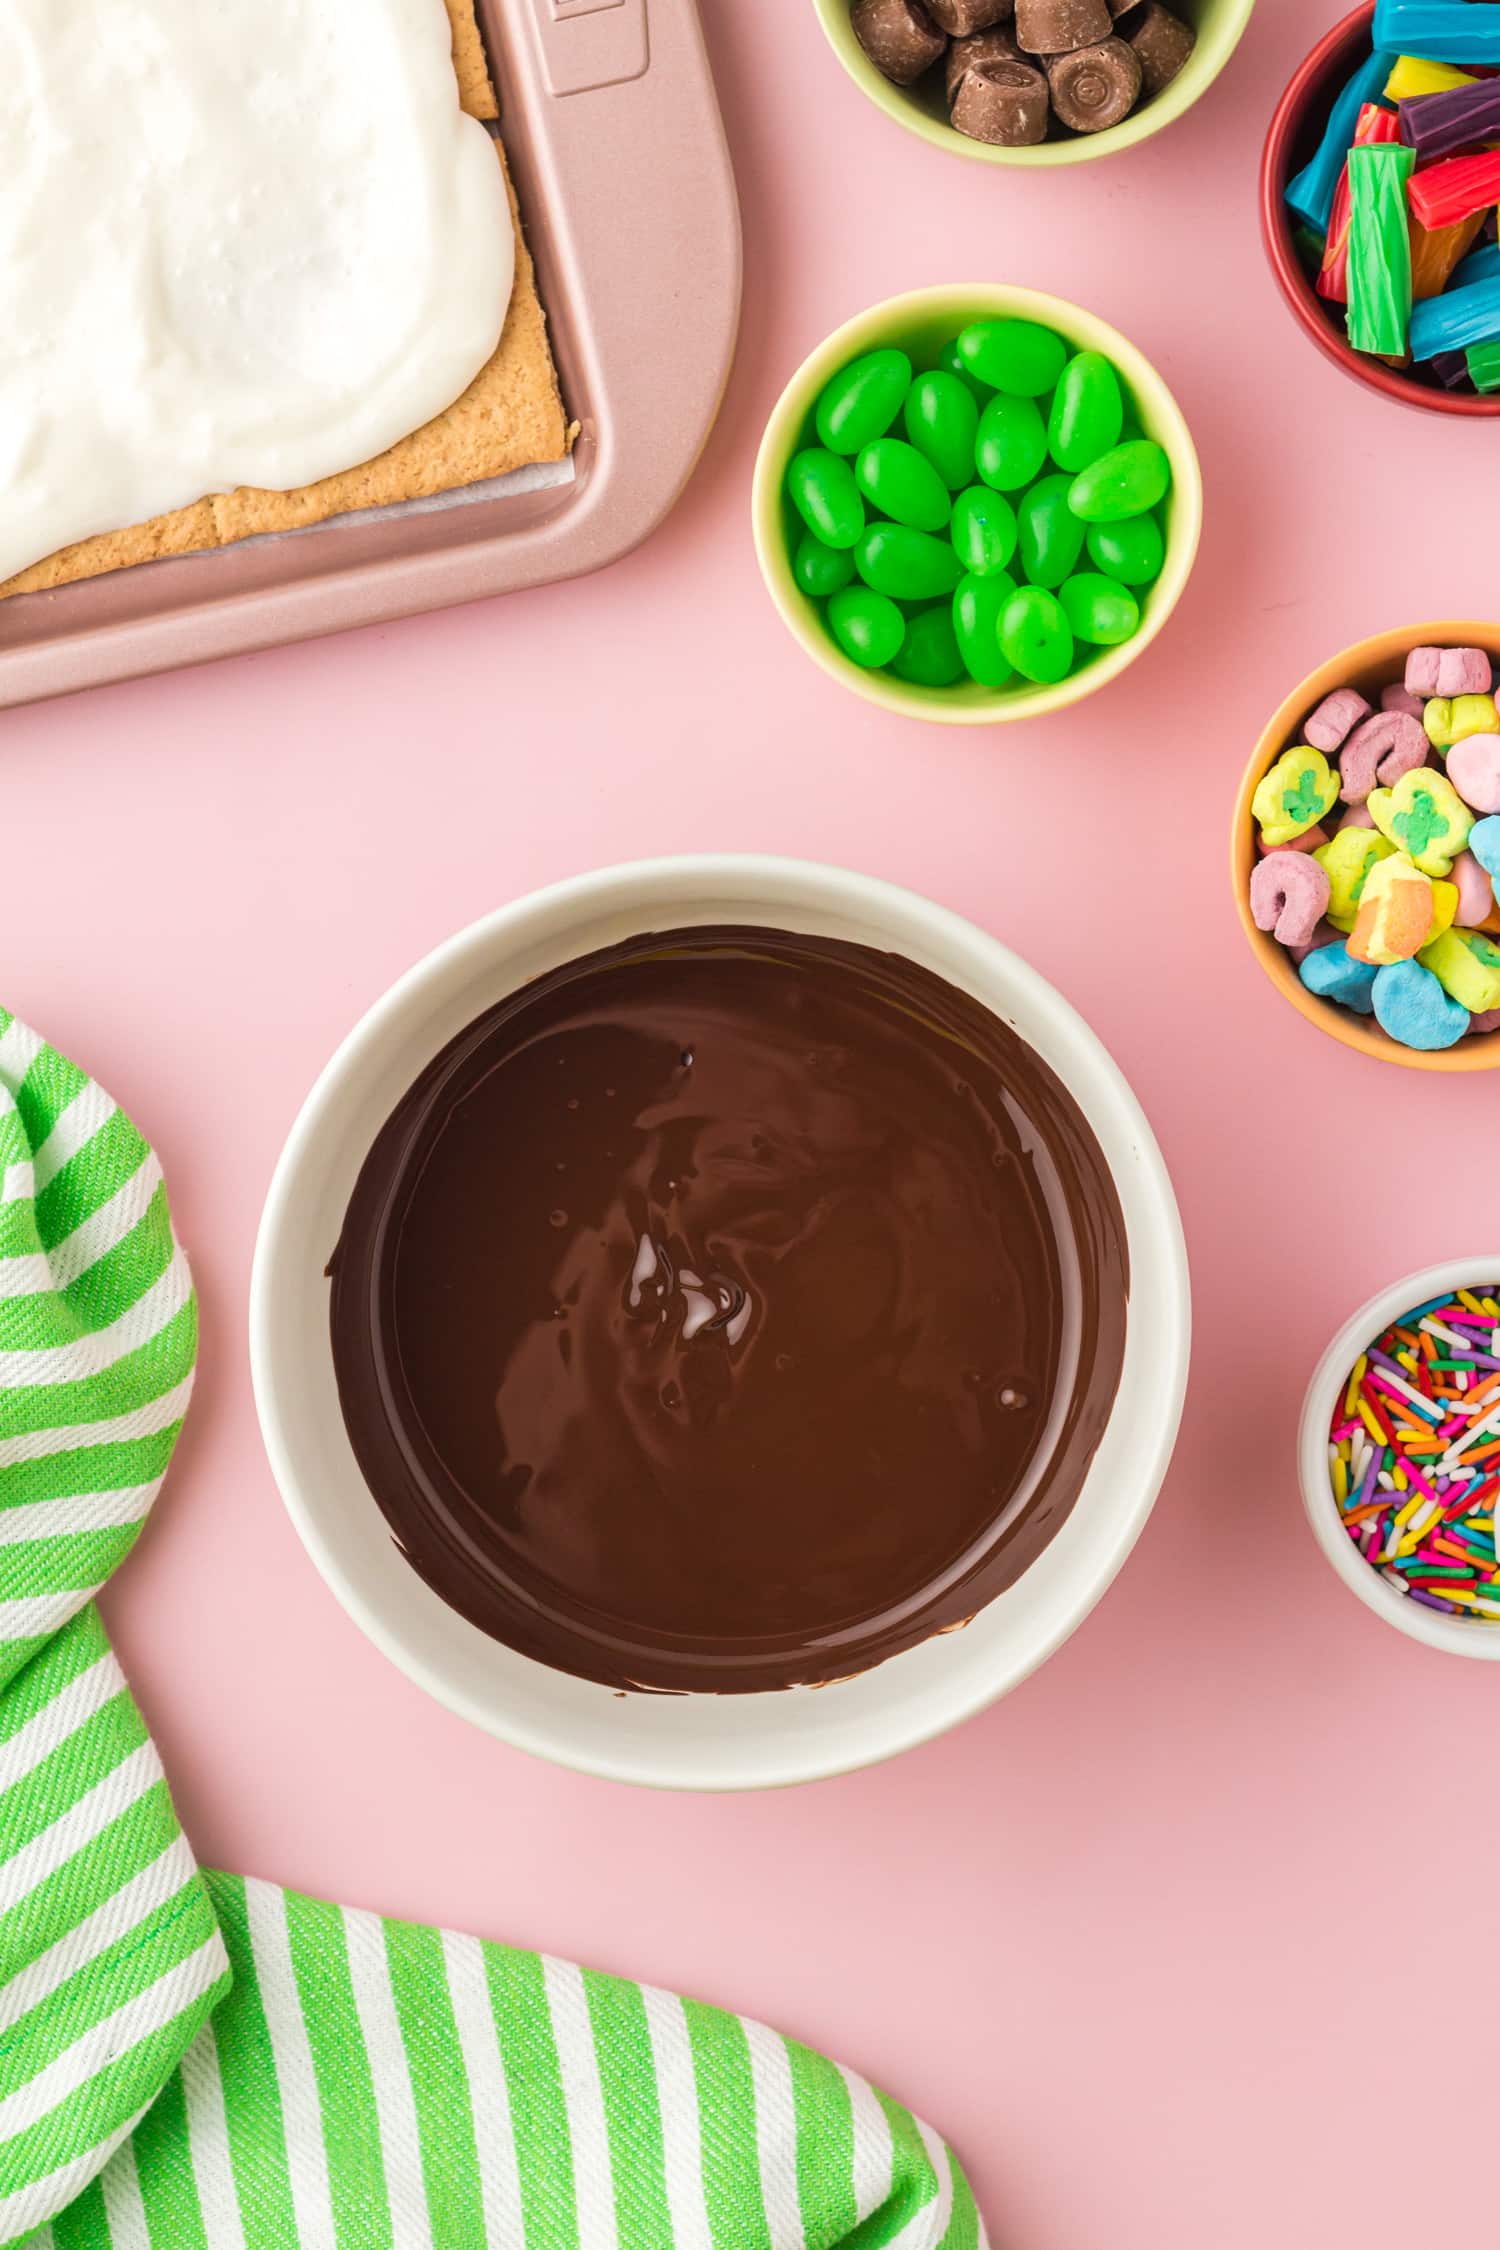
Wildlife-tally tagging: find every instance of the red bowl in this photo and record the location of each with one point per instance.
(1296, 128)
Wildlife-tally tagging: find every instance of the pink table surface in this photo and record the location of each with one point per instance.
(1164, 1940)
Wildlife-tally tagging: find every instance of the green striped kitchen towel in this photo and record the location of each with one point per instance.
(198, 2062)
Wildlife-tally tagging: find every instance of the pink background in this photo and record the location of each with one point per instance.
(1164, 1941)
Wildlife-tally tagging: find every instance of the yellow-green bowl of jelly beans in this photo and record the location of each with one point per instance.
(923, 325)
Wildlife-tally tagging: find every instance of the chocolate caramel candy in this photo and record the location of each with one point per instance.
(1162, 43)
(960, 18)
(1005, 103)
(997, 45)
(1054, 27)
(1095, 87)
(899, 36)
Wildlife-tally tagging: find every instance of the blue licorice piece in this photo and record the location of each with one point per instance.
(1480, 265)
(1451, 31)
(1455, 320)
(1310, 195)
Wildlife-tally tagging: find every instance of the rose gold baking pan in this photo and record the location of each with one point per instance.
(614, 139)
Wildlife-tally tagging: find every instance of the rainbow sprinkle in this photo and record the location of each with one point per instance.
(1414, 1454)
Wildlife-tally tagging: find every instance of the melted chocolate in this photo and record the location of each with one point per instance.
(729, 1310)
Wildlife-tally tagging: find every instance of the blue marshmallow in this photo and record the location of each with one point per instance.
(1310, 195)
(1412, 1007)
(1333, 974)
(1484, 843)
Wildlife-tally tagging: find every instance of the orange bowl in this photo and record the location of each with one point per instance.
(1367, 666)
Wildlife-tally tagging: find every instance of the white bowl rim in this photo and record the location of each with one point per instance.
(1090, 1547)
(1458, 1636)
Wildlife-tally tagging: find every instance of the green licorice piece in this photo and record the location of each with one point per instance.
(910, 565)
(861, 402)
(978, 604)
(1036, 636)
(1016, 356)
(1099, 610)
(868, 627)
(950, 363)
(1088, 412)
(1051, 535)
(1011, 445)
(929, 656)
(822, 489)
(819, 570)
(1484, 365)
(941, 420)
(1379, 247)
(902, 483)
(1132, 551)
(983, 530)
(1123, 482)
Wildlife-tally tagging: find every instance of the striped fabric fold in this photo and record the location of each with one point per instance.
(200, 2062)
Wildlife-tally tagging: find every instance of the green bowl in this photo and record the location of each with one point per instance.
(921, 323)
(921, 109)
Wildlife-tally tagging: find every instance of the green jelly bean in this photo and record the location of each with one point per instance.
(983, 530)
(978, 604)
(868, 628)
(1012, 443)
(1088, 412)
(942, 420)
(822, 489)
(1036, 636)
(1123, 482)
(819, 570)
(1016, 356)
(861, 402)
(1051, 535)
(1100, 610)
(1132, 551)
(929, 656)
(950, 363)
(910, 565)
(902, 483)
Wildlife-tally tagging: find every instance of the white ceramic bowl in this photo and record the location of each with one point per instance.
(697, 1742)
(1461, 1636)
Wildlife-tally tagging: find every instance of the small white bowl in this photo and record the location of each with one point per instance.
(699, 1741)
(1460, 1636)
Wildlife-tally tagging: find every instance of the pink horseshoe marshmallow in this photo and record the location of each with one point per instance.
(1380, 749)
(1327, 727)
(1289, 896)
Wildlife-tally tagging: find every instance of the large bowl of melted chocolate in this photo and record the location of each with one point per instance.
(718, 1322)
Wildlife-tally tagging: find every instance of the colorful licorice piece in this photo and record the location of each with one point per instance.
(1088, 412)
(1101, 611)
(1425, 817)
(1381, 749)
(1414, 75)
(1484, 843)
(1294, 795)
(1379, 278)
(1332, 973)
(820, 570)
(1036, 636)
(1011, 444)
(929, 654)
(1346, 860)
(983, 530)
(1476, 891)
(1019, 357)
(1335, 719)
(1375, 125)
(1446, 720)
(1289, 894)
(1412, 1008)
(1437, 252)
(1460, 317)
(1394, 920)
(901, 483)
(1051, 535)
(1448, 671)
(822, 489)
(910, 566)
(1441, 124)
(1474, 770)
(860, 403)
(1467, 966)
(868, 627)
(978, 604)
(942, 417)
(1310, 194)
(1132, 550)
(1124, 482)
(1451, 31)
(1442, 194)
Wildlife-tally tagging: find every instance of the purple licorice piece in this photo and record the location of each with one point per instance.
(1452, 370)
(1334, 718)
(1382, 749)
(1398, 697)
(1440, 124)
